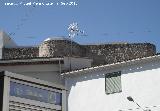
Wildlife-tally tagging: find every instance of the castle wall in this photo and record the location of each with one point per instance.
(61, 48)
(101, 54)
(112, 53)
(20, 53)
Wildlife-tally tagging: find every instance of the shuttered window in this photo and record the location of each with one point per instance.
(33, 97)
(113, 82)
(16, 106)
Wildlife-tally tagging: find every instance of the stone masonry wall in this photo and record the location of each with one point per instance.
(61, 48)
(112, 53)
(20, 53)
(101, 54)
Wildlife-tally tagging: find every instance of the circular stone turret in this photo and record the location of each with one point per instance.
(60, 47)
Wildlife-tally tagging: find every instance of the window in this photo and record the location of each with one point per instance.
(113, 82)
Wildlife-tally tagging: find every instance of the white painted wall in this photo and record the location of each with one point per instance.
(1, 44)
(6, 41)
(142, 82)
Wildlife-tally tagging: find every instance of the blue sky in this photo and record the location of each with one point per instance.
(104, 21)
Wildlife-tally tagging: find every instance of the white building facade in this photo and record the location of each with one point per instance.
(106, 88)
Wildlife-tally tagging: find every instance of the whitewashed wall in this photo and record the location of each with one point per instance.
(142, 82)
(1, 43)
(6, 41)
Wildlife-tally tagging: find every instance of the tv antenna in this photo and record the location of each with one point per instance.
(74, 30)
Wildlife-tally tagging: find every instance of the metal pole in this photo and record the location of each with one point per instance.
(73, 31)
(70, 67)
(60, 69)
(139, 106)
(132, 100)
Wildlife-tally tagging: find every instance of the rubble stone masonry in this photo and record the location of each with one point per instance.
(61, 48)
(112, 53)
(20, 53)
(101, 54)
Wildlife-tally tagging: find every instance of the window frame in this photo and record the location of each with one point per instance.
(111, 75)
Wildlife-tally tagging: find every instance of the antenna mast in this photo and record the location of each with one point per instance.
(73, 31)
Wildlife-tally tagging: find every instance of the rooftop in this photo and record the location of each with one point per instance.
(40, 60)
(113, 65)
